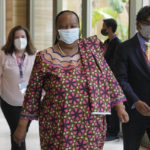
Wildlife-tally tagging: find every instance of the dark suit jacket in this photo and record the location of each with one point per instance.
(132, 71)
(110, 50)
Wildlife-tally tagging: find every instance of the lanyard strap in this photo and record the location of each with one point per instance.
(20, 63)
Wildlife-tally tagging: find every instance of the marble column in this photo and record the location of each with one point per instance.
(2, 23)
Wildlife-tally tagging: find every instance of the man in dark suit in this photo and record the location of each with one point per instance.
(132, 70)
(108, 29)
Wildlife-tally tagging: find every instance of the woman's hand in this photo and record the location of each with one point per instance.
(122, 114)
(20, 132)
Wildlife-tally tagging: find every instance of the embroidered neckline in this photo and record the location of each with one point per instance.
(50, 57)
(62, 55)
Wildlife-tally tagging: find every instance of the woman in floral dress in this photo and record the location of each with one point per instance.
(80, 90)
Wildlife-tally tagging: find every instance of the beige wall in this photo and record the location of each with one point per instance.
(20, 12)
(43, 23)
(9, 18)
(16, 14)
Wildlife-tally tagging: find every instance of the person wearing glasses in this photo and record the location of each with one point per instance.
(132, 69)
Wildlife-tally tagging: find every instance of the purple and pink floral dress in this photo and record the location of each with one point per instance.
(79, 91)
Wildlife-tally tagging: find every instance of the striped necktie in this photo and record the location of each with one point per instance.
(147, 51)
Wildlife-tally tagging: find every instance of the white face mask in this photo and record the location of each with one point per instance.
(69, 35)
(20, 43)
(145, 31)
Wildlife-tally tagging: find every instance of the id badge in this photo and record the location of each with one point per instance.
(22, 87)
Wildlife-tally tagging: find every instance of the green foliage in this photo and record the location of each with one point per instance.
(96, 16)
(116, 5)
(124, 1)
(123, 31)
(114, 11)
(103, 13)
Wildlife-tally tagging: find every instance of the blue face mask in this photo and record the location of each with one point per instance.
(69, 35)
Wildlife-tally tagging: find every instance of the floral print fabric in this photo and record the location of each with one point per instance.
(104, 90)
(72, 87)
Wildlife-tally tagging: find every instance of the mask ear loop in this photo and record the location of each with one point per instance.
(57, 38)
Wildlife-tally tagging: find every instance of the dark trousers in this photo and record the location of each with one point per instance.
(12, 115)
(134, 130)
(113, 124)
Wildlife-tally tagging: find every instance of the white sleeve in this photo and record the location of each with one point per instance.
(1, 67)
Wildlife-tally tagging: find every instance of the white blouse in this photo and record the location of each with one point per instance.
(10, 77)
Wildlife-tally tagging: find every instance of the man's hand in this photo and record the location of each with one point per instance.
(142, 108)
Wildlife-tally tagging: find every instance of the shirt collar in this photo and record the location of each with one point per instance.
(142, 41)
(14, 55)
(113, 37)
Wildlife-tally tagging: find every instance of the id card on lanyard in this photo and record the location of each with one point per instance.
(23, 84)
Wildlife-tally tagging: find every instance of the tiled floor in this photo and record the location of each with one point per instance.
(33, 138)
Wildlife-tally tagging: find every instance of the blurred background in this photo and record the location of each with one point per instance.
(38, 16)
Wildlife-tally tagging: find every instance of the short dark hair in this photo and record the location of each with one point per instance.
(9, 47)
(111, 23)
(143, 14)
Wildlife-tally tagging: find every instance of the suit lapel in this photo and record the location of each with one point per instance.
(140, 54)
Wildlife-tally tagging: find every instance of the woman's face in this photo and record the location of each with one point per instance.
(67, 21)
(68, 29)
(20, 40)
(20, 34)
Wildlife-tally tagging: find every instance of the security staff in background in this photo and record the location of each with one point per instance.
(108, 29)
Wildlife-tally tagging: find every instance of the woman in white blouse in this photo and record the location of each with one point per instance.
(16, 61)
